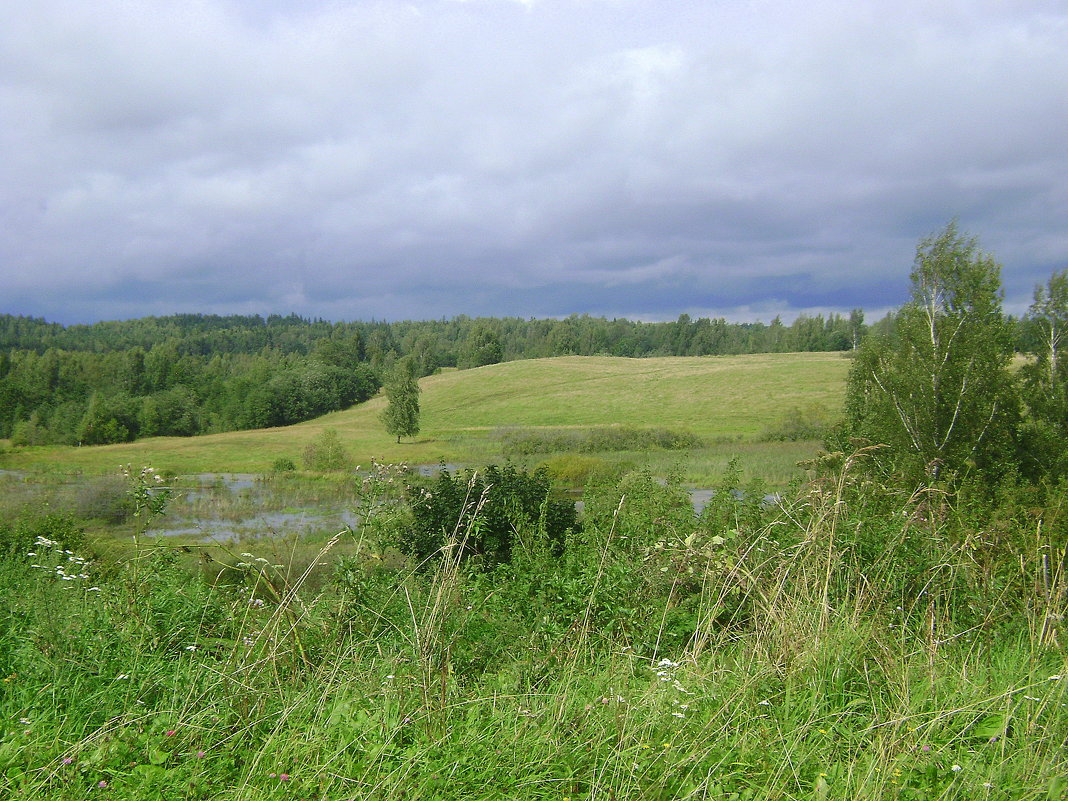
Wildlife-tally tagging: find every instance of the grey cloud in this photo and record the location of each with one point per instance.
(437, 158)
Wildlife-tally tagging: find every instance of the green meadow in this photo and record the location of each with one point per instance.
(850, 641)
(725, 401)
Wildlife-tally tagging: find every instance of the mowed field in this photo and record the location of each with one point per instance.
(720, 399)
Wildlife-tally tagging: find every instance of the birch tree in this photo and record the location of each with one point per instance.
(1045, 431)
(936, 388)
(401, 415)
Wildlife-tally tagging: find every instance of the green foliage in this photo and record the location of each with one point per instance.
(326, 453)
(401, 415)
(878, 644)
(595, 440)
(283, 464)
(485, 510)
(936, 389)
(813, 421)
(1044, 434)
(17, 537)
(482, 347)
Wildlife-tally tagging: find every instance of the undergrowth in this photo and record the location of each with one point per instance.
(851, 642)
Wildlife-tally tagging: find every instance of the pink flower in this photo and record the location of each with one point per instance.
(201, 754)
(283, 777)
(171, 732)
(67, 760)
(103, 785)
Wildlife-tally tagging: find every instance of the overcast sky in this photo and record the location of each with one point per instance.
(350, 159)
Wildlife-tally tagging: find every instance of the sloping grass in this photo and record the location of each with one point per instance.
(725, 397)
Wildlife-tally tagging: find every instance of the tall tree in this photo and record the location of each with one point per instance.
(401, 415)
(936, 388)
(1044, 435)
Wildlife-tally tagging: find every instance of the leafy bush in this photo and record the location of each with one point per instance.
(283, 465)
(486, 508)
(326, 453)
(800, 423)
(17, 538)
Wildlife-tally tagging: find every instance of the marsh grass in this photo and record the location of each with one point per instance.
(755, 652)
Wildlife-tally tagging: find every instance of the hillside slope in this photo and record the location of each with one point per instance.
(720, 396)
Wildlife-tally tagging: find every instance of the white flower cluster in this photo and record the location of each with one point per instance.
(665, 671)
(67, 565)
(257, 562)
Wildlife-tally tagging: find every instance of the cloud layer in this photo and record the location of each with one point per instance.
(621, 157)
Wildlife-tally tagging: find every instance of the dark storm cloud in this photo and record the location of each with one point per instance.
(619, 157)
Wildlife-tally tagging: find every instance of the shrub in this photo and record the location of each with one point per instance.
(326, 453)
(488, 507)
(17, 538)
(810, 422)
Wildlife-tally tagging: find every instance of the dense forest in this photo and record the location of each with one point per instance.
(192, 374)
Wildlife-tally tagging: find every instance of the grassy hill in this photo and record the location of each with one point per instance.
(724, 398)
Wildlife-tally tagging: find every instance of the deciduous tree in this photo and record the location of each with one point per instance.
(401, 415)
(936, 388)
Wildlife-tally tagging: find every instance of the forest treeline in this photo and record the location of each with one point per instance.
(190, 374)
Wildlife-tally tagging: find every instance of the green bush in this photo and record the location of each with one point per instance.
(485, 509)
(17, 538)
(326, 453)
(800, 423)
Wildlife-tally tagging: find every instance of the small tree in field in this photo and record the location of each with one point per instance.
(401, 415)
(936, 388)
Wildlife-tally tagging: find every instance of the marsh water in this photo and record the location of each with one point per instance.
(230, 507)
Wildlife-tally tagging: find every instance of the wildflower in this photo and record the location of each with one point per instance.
(678, 714)
(190, 648)
(956, 768)
(925, 748)
(67, 760)
(988, 785)
(170, 732)
(103, 785)
(25, 721)
(201, 754)
(283, 777)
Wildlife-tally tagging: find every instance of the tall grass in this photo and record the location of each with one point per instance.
(847, 644)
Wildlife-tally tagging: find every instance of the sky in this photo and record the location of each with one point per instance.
(359, 159)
